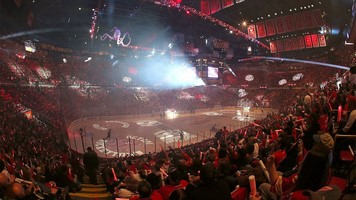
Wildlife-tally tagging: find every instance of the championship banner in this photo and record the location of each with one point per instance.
(308, 19)
(279, 25)
(301, 43)
(322, 41)
(308, 41)
(287, 45)
(270, 27)
(251, 30)
(215, 6)
(227, 3)
(18, 3)
(220, 44)
(273, 47)
(289, 22)
(205, 7)
(280, 47)
(261, 30)
(318, 18)
(298, 21)
(315, 40)
(294, 43)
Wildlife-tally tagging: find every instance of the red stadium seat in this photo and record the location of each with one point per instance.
(240, 194)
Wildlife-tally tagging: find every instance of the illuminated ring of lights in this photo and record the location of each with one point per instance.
(297, 77)
(282, 82)
(249, 77)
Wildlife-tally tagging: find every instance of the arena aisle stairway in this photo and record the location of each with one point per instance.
(90, 191)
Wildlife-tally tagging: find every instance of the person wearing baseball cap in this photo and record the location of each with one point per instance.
(324, 143)
(324, 139)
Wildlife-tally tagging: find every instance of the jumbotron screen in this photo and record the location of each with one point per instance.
(213, 72)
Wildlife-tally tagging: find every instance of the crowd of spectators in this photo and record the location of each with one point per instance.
(289, 143)
(296, 146)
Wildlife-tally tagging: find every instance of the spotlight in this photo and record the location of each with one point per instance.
(244, 23)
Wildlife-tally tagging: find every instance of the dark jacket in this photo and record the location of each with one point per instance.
(90, 160)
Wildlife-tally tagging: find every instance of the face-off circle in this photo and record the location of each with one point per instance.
(111, 124)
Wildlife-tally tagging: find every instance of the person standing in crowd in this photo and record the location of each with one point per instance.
(350, 126)
(209, 187)
(91, 164)
(347, 127)
(225, 133)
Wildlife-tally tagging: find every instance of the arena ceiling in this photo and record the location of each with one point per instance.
(67, 22)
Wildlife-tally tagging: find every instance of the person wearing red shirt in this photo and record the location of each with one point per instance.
(173, 179)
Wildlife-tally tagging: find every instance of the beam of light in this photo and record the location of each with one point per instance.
(229, 68)
(296, 60)
(19, 34)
